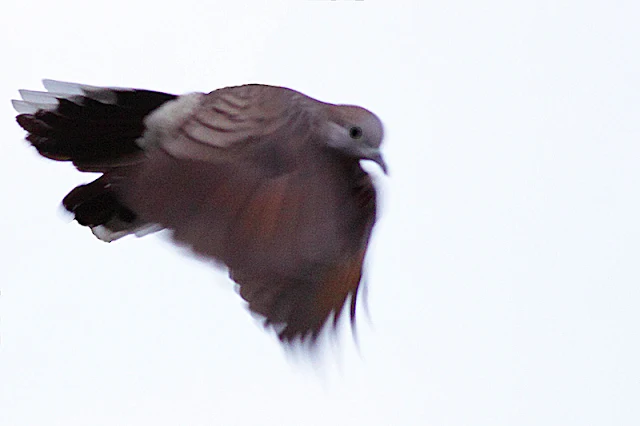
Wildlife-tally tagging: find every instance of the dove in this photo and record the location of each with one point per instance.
(261, 179)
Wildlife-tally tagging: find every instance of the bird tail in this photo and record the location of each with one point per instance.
(97, 130)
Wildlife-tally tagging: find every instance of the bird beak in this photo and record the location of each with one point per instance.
(377, 158)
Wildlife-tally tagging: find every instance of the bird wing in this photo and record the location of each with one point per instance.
(245, 181)
(295, 243)
(325, 229)
(233, 124)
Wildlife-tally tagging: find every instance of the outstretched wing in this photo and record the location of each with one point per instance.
(298, 299)
(243, 179)
(296, 246)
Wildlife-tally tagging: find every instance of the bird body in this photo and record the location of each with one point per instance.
(263, 179)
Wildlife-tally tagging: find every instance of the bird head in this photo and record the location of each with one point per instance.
(355, 132)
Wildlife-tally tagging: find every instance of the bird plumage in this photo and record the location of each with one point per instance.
(261, 178)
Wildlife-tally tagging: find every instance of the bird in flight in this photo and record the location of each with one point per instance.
(262, 179)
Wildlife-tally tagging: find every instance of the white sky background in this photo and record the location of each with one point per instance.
(504, 280)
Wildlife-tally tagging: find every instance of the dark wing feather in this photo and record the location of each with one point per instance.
(93, 134)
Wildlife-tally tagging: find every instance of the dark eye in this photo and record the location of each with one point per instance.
(355, 132)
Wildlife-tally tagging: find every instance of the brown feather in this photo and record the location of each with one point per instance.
(243, 175)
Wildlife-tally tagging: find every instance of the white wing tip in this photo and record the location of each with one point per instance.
(36, 97)
(23, 107)
(33, 100)
(65, 87)
(105, 234)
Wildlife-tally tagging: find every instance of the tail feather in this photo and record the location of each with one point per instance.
(96, 129)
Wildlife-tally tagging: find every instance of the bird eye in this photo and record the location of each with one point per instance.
(355, 132)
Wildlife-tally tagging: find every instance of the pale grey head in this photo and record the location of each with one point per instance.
(356, 132)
